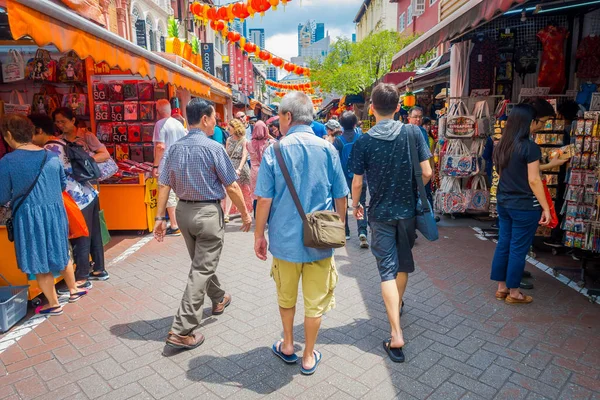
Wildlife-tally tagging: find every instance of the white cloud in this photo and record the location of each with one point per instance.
(284, 45)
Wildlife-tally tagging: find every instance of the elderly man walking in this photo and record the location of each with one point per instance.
(199, 171)
(317, 189)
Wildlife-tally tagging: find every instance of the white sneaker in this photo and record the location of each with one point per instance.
(364, 244)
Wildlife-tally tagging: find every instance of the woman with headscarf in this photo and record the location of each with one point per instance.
(256, 147)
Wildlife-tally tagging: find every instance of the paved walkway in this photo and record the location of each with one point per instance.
(462, 343)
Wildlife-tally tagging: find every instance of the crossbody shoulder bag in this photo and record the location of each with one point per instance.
(10, 229)
(425, 219)
(321, 229)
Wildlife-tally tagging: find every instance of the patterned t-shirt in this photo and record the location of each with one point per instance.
(82, 193)
(389, 171)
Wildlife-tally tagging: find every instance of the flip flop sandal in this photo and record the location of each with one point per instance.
(395, 354)
(49, 311)
(76, 296)
(288, 359)
(318, 357)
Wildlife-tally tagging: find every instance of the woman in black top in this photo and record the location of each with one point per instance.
(522, 203)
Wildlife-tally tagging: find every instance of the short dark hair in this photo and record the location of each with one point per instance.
(43, 122)
(20, 127)
(569, 110)
(275, 124)
(198, 108)
(415, 108)
(426, 121)
(66, 112)
(385, 98)
(348, 120)
(541, 107)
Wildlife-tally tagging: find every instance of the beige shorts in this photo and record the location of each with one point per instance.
(319, 279)
(173, 200)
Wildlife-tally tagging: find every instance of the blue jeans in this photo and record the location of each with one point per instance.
(361, 224)
(517, 230)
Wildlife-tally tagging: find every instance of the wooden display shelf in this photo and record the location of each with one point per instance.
(124, 205)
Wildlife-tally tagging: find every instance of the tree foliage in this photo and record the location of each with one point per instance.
(352, 68)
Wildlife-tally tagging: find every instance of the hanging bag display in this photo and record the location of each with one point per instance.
(459, 123)
(483, 120)
(76, 100)
(42, 67)
(425, 220)
(321, 229)
(478, 196)
(450, 199)
(70, 68)
(458, 161)
(16, 104)
(13, 69)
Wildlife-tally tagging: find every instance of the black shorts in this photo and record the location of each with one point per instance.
(391, 244)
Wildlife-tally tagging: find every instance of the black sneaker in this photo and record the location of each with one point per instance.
(526, 285)
(87, 285)
(173, 232)
(99, 276)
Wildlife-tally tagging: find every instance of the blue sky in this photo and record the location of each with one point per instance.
(281, 28)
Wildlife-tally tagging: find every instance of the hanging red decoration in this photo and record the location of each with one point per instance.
(237, 10)
(264, 55)
(278, 62)
(299, 70)
(222, 13)
(212, 14)
(250, 47)
(220, 25)
(196, 8)
(213, 25)
(289, 67)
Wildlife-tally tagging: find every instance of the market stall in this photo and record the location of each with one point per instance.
(58, 58)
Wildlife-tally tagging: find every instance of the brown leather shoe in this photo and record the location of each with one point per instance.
(525, 300)
(501, 295)
(188, 342)
(219, 308)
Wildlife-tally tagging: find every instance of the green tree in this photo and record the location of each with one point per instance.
(353, 68)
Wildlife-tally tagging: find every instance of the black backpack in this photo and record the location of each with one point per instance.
(526, 60)
(83, 165)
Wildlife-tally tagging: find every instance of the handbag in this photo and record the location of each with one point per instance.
(459, 123)
(16, 104)
(484, 122)
(14, 69)
(321, 229)
(76, 100)
(70, 68)
(425, 220)
(478, 196)
(107, 169)
(10, 229)
(46, 101)
(553, 217)
(457, 160)
(104, 229)
(42, 67)
(77, 226)
(450, 199)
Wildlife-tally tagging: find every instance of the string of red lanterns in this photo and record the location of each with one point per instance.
(207, 13)
(240, 10)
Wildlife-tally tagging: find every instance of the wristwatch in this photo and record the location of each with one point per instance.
(155, 166)
(160, 218)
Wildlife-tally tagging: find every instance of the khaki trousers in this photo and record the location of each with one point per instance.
(203, 230)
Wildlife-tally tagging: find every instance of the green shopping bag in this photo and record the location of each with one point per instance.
(104, 229)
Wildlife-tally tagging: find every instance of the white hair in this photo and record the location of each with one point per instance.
(163, 108)
(300, 106)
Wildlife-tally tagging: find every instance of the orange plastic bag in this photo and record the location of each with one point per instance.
(77, 225)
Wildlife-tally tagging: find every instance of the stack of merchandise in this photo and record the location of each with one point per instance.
(581, 223)
(462, 139)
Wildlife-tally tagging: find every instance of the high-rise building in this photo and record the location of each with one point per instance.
(272, 73)
(309, 33)
(257, 36)
(240, 27)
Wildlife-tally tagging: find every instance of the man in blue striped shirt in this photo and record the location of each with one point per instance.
(199, 172)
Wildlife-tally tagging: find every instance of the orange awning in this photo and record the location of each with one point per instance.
(49, 23)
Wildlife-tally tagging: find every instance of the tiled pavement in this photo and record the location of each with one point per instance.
(462, 343)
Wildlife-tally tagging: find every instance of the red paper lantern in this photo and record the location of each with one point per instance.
(244, 11)
(296, 87)
(289, 67)
(230, 36)
(220, 25)
(213, 25)
(237, 10)
(196, 9)
(263, 55)
(299, 70)
(278, 62)
(222, 13)
(250, 47)
(212, 14)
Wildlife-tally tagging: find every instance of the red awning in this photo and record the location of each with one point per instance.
(469, 16)
(397, 77)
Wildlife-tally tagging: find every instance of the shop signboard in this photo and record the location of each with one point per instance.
(140, 33)
(208, 58)
(226, 73)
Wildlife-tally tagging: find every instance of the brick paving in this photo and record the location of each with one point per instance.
(461, 342)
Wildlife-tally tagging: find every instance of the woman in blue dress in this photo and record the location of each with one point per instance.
(40, 224)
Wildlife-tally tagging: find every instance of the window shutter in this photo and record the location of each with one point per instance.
(419, 6)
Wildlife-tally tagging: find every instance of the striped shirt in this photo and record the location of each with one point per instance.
(197, 168)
